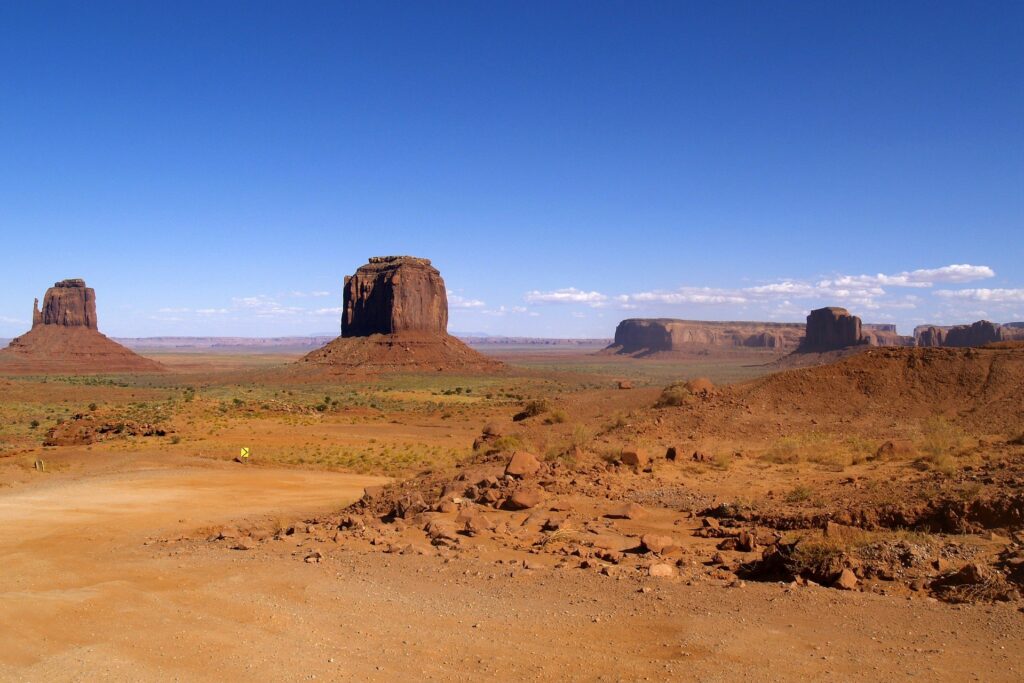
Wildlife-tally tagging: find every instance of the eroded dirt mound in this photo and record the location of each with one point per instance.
(59, 349)
(979, 387)
(392, 352)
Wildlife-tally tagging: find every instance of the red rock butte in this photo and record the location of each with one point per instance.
(395, 317)
(65, 338)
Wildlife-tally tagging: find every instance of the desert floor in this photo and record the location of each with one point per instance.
(112, 569)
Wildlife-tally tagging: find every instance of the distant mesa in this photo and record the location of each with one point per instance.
(830, 329)
(978, 333)
(65, 338)
(395, 317)
(826, 329)
(647, 336)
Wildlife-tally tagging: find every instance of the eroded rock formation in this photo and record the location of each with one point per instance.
(930, 335)
(65, 338)
(394, 294)
(395, 317)
(831, 328)
(976, 334)
(884, 334)
(654, 335)
(69, 303)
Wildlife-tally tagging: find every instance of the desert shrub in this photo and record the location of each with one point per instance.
(674, 394)
(939, 436)
(507, 443)
(819, 560)
(175, 440)
(555, 417)
(580, 437)
(33, 424)
(783, 452)
(93, 406)
(940, 440)
(799, 494)
(1019, 440)
(829, 459)
(532, 409)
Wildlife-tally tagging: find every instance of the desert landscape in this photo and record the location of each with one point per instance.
(511, 341)
(412, 507)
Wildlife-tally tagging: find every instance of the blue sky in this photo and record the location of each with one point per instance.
(217, 168)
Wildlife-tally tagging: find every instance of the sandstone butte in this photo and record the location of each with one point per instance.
(65, 337)
(395, 317)
(829, 328)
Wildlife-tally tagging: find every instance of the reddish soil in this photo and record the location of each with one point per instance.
(405, 351)
(53, 349)
(861, 520)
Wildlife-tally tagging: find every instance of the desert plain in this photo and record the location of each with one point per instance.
(135, 546)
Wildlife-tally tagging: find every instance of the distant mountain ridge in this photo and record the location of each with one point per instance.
(315, 341)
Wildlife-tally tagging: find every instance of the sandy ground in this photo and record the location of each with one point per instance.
(91, 590)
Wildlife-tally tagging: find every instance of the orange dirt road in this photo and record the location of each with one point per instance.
(90, 591)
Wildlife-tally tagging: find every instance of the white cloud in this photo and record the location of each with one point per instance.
(263, 306)
(568, 295)
(686, 295)
(459, 301)
(211, 311)
(504, 310)
(992, 295)
(923, 277)
(328, 311)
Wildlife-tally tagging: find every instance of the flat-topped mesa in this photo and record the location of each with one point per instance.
(392, 295)
(69, 303)
(655, 335)
(884, 334)
(832, 328)
(978, 333)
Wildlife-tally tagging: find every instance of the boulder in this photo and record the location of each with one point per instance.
(846, 580)
(654, 543)
(831, 328)
(627, 511)
(661, 570)
(634, 457)
(522, 464)
(524, 499)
